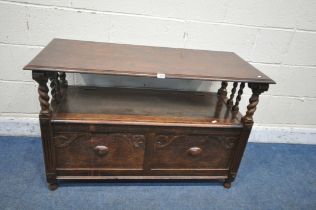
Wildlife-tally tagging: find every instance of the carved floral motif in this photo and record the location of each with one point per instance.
(165, 140)
(136, 140)
(227, 142)
(65, 140)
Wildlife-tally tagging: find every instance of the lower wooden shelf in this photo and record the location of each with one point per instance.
(144, 107)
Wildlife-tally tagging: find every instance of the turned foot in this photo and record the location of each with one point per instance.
(227, 184)
(52, 186)
(228, 181)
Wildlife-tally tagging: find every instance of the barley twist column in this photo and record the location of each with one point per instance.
(231, 98)
(55, 87)
(223, 91)
(63, 81)
(45, 115)
(238, 98)
(41, 78)
(257, 89)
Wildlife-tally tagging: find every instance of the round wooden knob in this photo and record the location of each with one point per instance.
(194, 151)
(101, 150)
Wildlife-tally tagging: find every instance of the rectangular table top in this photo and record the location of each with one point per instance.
(136, 60)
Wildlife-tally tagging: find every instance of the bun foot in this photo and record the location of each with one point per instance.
(53, 186)
(227, 185)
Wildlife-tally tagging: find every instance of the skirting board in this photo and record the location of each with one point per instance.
(16, 126)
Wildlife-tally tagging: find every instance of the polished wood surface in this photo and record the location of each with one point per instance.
(138, 150)
(144, 107)
(126, 133)
(211, 151)
(123, 59)
(106, 150)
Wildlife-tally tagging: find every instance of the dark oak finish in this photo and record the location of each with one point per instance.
(99, 150)
(209, 151)
(126, 133)
(238, 98)
(143, 106)
(123, 59)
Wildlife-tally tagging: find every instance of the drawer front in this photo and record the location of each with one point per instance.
(106, 150)
(213, 151)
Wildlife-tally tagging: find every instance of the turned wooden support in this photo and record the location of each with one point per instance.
(228, 182)
(63, 81)
(218, 108)
(257, 89)
(42, 78)
(52, 181)
(223, 91)
(230, 101)
(238, 98)
(44, 118)
(55, 87)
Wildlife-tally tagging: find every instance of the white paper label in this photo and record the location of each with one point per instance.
(161, 76)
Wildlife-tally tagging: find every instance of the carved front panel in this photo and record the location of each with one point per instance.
(109, 150)
(193, 151)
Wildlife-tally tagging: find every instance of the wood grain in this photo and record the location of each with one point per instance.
(123, 133)
(144, 107)
(124, 150)
(135, 60)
